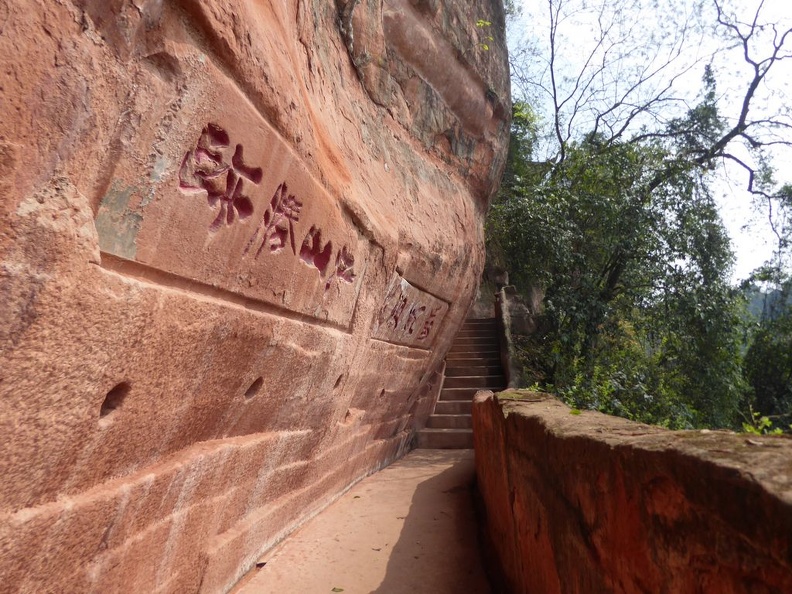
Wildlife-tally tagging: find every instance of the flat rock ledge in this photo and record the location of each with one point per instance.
(584, 502)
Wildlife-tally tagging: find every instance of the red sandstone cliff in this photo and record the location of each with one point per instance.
(237, 237)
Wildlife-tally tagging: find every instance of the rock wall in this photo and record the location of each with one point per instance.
(591, 503)
(237, 238)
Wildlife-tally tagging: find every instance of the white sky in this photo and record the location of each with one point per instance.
(751, 235)
(752, 239)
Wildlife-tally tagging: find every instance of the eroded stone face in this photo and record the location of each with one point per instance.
(592, 503)
(228, 271)
(429, 64)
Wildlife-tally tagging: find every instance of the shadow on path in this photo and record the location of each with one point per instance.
(437, 550)
(409, 528)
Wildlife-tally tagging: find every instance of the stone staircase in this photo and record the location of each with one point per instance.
(472, 364)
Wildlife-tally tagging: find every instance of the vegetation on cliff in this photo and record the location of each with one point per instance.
(608, 207)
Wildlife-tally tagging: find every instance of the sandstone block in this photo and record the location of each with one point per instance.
(592, 503)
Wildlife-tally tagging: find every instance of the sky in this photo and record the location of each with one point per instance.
(751, 235)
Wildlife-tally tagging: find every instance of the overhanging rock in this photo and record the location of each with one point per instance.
(228, 274)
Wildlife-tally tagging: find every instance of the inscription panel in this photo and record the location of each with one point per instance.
(409, 316)
(234, 208)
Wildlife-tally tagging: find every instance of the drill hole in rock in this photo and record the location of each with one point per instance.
(114, 399)
(254, 388)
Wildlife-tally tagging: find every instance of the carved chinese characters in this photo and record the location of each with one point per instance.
(409, 316)
(205, 168)
(235, 212)
(277, 224)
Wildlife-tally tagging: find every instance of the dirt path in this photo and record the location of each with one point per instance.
(409, 528)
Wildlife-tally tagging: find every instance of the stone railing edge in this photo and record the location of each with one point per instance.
(508, 352)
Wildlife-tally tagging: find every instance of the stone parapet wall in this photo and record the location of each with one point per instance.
(582, 503)
(228, 276)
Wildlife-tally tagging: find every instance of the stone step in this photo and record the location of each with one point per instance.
(474, 339)
(490, 354)
(456, 361)
(484, 333)
(475, 381)
(460, 340)
(474, 342)
(453, 407)
(468, 336)
(464, 362)
(473, 354)
(482, 322)
(472, 369)
(474, 348)
(462, 393)
(450, 422)
(477, 332)
(445, 439)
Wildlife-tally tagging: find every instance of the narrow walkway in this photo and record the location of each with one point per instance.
(408, 528)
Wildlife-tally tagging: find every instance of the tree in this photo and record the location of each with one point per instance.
(768, 365)
(512, 9)
(636, 293)
(616, 218)
(639, 57)
(768, 361)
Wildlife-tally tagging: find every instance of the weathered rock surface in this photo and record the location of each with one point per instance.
(231, 261)
(591, 503)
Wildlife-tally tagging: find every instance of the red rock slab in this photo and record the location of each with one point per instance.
(585, 502)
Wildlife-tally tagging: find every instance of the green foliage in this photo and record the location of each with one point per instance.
(768, 360)
(757, 424)
(512, 9)
(521, 172)
(626, 241)
(616, 224)
(486, 39)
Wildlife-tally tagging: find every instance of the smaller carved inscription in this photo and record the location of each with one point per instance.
(429, 322)
(412, 317)
(394, 317)
(408, 315)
